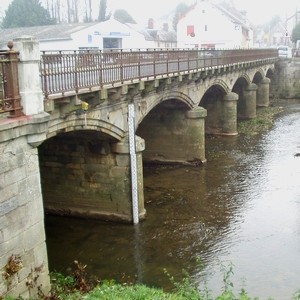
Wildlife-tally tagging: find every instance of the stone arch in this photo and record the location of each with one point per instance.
(221, 85)
(91, 124)
(244, 77)
(145, 108)
(218, 86)
(212, 101)
(258, 75)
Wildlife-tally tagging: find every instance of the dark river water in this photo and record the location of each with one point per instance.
(241, 209)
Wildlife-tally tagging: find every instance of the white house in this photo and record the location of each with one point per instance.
(100, 35)
(215, 26)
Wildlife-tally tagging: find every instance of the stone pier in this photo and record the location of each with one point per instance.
(230, 114)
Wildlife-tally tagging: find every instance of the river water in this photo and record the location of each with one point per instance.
(241, 209)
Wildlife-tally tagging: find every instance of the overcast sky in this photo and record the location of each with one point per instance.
(258, 10)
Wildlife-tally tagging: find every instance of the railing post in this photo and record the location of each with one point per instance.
(11, 97)
(29, 75)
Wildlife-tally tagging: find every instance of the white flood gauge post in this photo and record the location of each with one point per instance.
(133, 166)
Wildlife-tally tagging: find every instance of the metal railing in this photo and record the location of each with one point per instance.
(63, 71)
(10, 100)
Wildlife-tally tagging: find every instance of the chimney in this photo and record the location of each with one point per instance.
(166, 27)
(150, 23)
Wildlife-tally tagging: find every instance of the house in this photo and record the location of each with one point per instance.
(162, 37)
(215, 26)
(277, 34)
(109, 34)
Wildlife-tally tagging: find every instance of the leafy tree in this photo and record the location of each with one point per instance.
(102, 10)
(26, 13)
(180, 10)
(123, 16)
(296, 33)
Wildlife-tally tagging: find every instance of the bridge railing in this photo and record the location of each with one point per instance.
(9, 84)
(63, 71)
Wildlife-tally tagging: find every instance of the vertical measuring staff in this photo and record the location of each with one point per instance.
(133, 166)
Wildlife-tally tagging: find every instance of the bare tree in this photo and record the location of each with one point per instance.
(73, 11)
(102, 10)
(88, 10)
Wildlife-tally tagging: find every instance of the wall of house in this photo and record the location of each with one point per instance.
(92, 37)
(221, 33)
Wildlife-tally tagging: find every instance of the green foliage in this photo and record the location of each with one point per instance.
(296, 33)
(184, 288)
(61, 283)
(296, 296)
(26, 13)
(123, 16)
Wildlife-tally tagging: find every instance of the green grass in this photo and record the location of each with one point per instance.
(263, 121)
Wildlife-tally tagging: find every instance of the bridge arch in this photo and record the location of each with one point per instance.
(145, 107)
(212, 101)
(85, 171)
(258, 76)
(168, 127)
(88, 122)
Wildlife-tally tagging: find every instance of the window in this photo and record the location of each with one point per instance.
(190, 30)
(112, 43)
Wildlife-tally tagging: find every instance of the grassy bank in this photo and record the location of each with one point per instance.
(78, 287)
(263, 121)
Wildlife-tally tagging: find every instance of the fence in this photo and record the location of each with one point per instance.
(63, 71)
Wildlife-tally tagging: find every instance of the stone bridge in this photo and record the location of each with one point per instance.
(82, 153)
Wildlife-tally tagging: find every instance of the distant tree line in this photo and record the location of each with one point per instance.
(26, 13)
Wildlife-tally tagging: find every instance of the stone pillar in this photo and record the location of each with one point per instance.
(29, 75)
(247, 105)
(229, 126)
(195, 135)
(124, 199)
(263, 97)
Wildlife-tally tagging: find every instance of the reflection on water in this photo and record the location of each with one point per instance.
(242, 208)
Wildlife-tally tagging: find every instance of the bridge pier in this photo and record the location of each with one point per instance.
(247, 102)
(195, 133)
(263, 92)
(229, 120)
(174, 135)
(122, 172)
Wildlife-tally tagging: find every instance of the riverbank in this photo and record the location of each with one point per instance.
(77, 287)
(158, 236)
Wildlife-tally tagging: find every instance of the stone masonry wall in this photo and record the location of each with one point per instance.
(82, 177)
(285, 83)
(23, 257)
